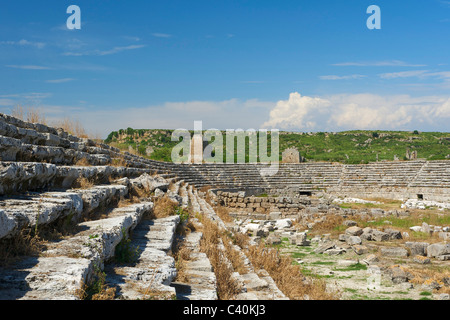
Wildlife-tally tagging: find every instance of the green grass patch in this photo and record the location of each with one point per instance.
(324, 263)
(298, 255)
(355, 267)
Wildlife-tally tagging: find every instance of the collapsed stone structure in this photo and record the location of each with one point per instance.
(290, 155)
(41, 169)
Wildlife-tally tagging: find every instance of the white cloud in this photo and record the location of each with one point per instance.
(387, 63)
(60, 80)
(104, 52)
(403, 74)
(161, 35)
(443, 110)
(360, 111)
(227, 114)
(6, 102)
(348, 77)
(28, 67)
(416, 73)
(23, 42)
(297, 112)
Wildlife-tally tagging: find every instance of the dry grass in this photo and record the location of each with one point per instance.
(96, 290)
(83, 183)
(83, 162)
(26, 243)
(164, 207)
(223, 213)
(427, 275)
(119, 162)
(287, 276)
(29, 114)
(72, 126)
(330, 224)
(182, 255)
(234, 256)
(151, 293)
(36, 115)
(227, 287)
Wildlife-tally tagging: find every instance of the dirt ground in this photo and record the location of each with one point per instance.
(351, 278)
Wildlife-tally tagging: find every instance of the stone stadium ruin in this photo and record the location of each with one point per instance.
(50, 179)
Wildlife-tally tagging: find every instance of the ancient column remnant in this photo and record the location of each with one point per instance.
(411, 155)
(291, 155)
(196, 154)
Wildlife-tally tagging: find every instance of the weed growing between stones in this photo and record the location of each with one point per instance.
(26, 243)
(164, 207)
(97, 288)
(181, 255)
(234, 256)
(83, 183)
(227, 287)
(125, 252)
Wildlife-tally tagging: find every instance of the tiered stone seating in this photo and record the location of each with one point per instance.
(432, 174)
(40, 188)
(396, 173)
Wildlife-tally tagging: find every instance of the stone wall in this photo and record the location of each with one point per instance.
(281, 206)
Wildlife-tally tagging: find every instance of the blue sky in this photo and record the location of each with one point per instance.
(291, 65)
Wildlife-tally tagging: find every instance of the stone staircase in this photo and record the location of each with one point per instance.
(41, 190)
(254, 284)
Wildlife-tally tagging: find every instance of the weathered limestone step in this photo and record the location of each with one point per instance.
(202, 283)
(98, 238)
(150, 183)
(193, 200)
(19, 177)
(29, 211)
(184, 194)
(154, 270)
(38, 127)
(45, 208)
(252, 285)
(15, 150)
(45, 278)
(61, 270)
(32, 176)
(102, 195)
(157, 234)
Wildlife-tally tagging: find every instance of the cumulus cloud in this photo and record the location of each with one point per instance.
(226, 114)
(360, 111)
(297, 112)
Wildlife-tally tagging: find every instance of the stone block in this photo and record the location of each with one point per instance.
(438, 249)
(354, 231)
(394, 252)
(360, 249)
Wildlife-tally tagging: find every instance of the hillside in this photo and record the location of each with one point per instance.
(345, 147)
